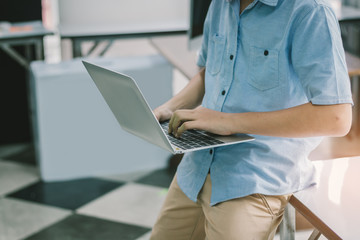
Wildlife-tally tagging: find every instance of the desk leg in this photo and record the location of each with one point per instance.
(287, 226)
(39, 49)
(76, 46)
(15, 55)
(91, 50)
(109, 44)
(28, 53)
(315, 235)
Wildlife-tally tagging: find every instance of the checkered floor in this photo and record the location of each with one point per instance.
(109, 207)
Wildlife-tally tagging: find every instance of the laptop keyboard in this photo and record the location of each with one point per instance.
(190, 139)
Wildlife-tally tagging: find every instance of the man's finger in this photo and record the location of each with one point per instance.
(186, 126)
(178, 118)
(170, 129)
(174, 123)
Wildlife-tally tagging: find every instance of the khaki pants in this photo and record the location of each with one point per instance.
(252, 217)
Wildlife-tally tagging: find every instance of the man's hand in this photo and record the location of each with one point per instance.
(305, 120)
(163, 113)
(199, 118)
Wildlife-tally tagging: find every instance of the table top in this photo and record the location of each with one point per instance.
(175, 50)
(78, 31)
(9, 31)
(332, 205)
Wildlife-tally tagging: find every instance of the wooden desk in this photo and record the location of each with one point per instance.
(332, 206)
(27, 33)
(175, 50)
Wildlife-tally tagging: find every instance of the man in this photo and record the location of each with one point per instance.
(271, 68)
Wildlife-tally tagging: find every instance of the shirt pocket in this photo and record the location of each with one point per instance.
(215, 54)
(263, 68)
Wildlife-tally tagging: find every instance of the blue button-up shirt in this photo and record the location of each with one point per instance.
(276, 54)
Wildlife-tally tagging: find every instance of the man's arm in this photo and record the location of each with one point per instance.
(306, 120)
(188, 98)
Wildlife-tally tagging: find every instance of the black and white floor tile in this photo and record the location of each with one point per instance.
(106, 207)
(121, 207)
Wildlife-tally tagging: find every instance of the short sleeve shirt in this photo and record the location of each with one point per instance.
(275, 55)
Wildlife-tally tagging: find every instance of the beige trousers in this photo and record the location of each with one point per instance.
(252, 217)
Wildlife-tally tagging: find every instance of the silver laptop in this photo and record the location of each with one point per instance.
(134, 115)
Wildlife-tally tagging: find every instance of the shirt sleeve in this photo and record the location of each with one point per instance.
(319, 59)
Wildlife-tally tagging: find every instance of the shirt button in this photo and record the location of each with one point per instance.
(231, 57)
(266, 52)
(211, 151)
(223, 92)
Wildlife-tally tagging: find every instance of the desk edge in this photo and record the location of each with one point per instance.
(313, 219)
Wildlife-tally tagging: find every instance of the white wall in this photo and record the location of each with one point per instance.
(96, 14)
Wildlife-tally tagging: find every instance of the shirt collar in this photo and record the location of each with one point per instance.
(272, 3)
